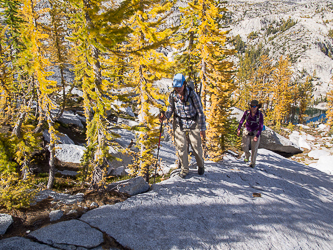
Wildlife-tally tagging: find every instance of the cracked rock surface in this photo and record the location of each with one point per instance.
(19, 243)
(220, 210)
(73, 232)
(280, 204)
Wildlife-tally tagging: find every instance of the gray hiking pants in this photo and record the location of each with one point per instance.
(182, 148)
(247, 140)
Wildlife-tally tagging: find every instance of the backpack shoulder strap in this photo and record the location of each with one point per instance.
(172, 98)
(258, 117)
(190, 94)
(247, 115)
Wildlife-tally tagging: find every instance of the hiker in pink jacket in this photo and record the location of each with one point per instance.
(254, 122)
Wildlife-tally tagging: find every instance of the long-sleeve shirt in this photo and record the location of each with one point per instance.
(186, 111)
(251, 123)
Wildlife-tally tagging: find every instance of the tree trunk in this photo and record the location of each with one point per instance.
(40, 120)
(18, 126)
(98, 172)
(144, 172)
(98, 169)
(52, 155)
(25, 170)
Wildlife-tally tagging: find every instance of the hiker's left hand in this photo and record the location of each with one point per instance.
(203, 134)
(162, 117)
(255, 138)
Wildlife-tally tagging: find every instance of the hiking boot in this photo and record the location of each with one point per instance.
(182, 174)
(201, 170)
(246, 160)
(251, 166)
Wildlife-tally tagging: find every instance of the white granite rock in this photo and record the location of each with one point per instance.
(322, 106)
(300, 139)
(310, 137)
(303, 126)
(163, 170)
(303, 143)
(94, 204)
(59, 197)
(20, 243)
(73, 211)
(56, 215)
(69, 153)
(316, 154)
(237, 113)
(119, 171)
(63, 138)
(294, 137)
(68, 117)
(218, 210)
(132, 186)
(324, 164)
(119, 105)
(118, 168)
(67, 172)
(323, 127)
(275, 142)
(5, 221)
(73, 232)
(307, 41)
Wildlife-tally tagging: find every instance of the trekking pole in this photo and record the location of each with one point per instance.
(158, 149)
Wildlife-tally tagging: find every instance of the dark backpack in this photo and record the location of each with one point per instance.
(190, 85)
(257, 120)
(248, 114)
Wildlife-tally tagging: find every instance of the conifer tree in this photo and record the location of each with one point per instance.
(15, 192)
(11, 43)
(14, 153)
(87, 61)
(254, 69)
(33, 76)
(329, 112)
(305, 93)
(215, 71)
(148, 67)
(263, 77)
(281, 94)
(295, 99)
(98, 30)
(187, 61)
(243, 78)
(6, 80)
(57, 48)
(13, 22)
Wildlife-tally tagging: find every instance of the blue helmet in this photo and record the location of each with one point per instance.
(178, 80)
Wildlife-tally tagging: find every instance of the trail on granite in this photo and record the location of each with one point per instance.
(213, 211)
(218, 210)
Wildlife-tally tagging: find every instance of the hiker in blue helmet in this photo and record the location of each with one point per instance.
(254, 122)
(185, 105)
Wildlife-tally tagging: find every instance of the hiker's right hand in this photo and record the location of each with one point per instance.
(162, 117)
(238, 132)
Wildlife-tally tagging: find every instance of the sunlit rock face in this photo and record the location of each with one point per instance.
(305, 38)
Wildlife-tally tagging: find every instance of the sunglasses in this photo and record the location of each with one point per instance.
(253, 106)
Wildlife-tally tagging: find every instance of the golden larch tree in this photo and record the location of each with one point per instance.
(281, 94)
(149, 33)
